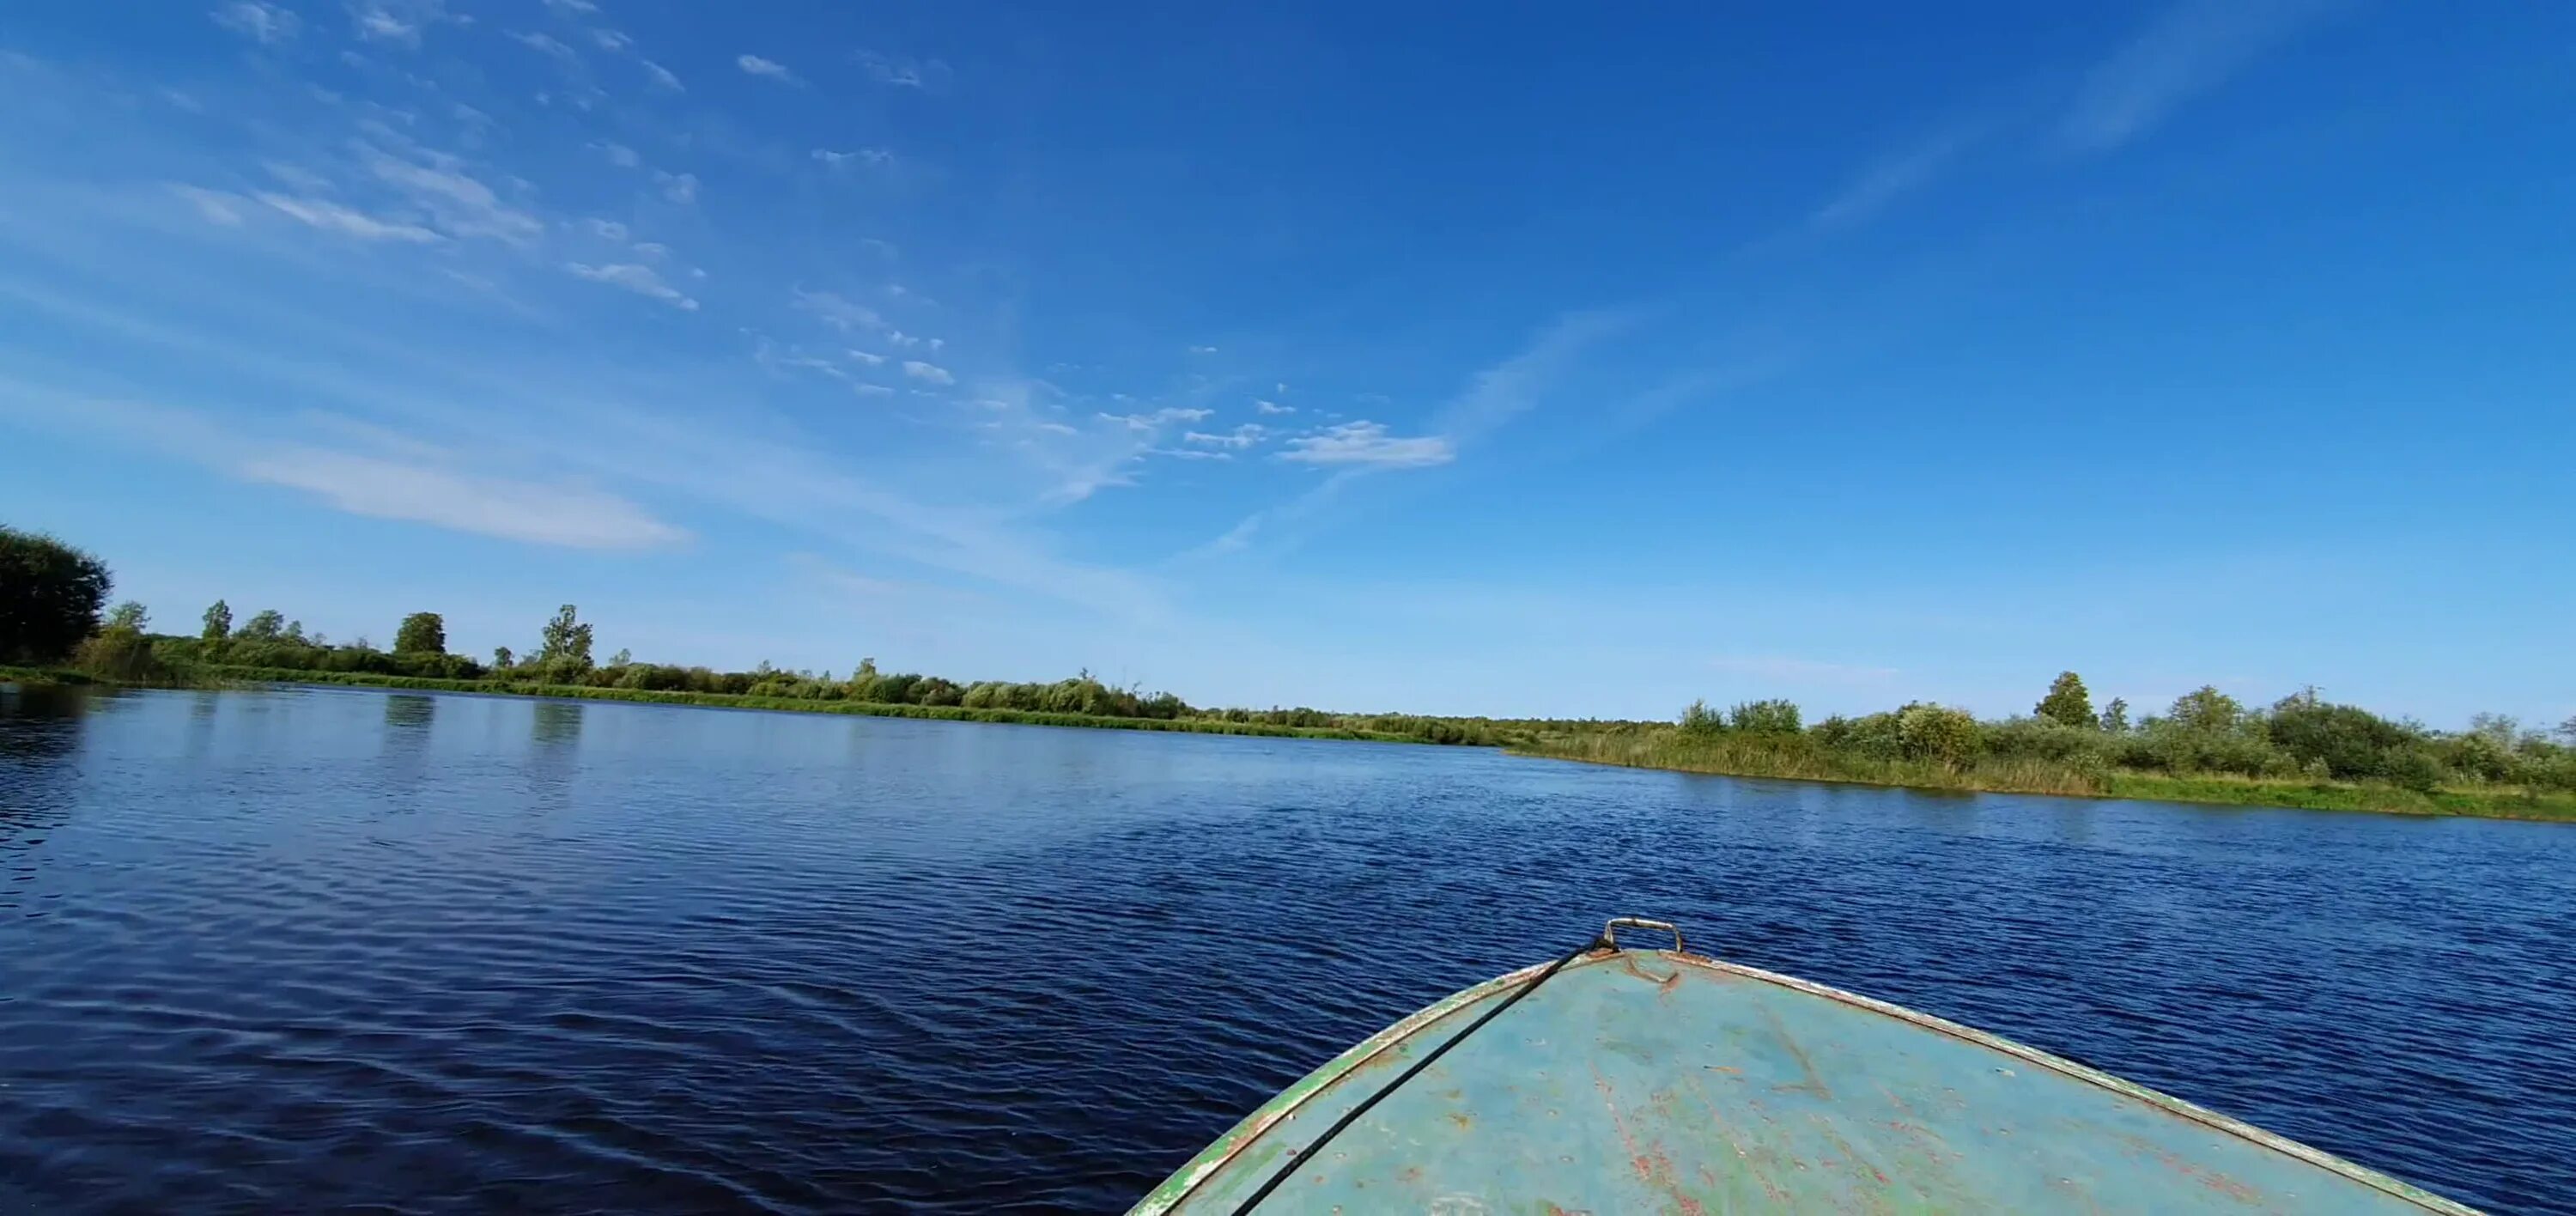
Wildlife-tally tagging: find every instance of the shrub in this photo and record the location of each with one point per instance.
(1772, 717)
(1699, 719)
(118, 652)
(1936, 733)
(2351, 741)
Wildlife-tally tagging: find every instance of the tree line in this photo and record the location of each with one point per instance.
(2205, 731)
(62, 594)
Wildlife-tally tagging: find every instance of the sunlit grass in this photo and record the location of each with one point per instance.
(1798, 758)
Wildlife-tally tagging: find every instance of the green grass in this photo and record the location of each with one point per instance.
(44, 677)
(1800, 760)
(944, 713)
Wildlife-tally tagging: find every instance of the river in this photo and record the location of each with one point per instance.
(296, 949)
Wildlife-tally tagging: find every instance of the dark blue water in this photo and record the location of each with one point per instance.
(294, 950)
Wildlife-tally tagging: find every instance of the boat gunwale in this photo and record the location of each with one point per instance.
(1283, 1106)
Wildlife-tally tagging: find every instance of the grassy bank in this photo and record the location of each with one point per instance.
(1793, 759)
(942, 713)
(44, 677)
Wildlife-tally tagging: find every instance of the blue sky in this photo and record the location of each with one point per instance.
(1558, 361)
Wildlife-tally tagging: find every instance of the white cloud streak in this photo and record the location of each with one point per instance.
(332, 217)
(1894, 176)
(2194, 47)
(769, 69)
(642, 280)
(457, 205)
(266, 24)
(663, 77)
(867, 157)
(1369, 445)
(930, 373)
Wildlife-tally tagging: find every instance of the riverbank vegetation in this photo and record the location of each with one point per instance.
(55, 625)
(2301, 751)
(2305, 751)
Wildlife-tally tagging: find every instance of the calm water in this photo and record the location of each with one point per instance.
(265, 951)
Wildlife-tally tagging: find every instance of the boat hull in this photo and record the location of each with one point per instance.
(1660, 1081)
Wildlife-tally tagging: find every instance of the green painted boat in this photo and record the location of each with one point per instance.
(1635, 1080)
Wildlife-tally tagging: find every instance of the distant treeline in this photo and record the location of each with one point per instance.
(52, 608)
(2203, 740)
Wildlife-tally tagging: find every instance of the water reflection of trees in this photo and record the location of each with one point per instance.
(556, 723)
(410, 712)
(40, 736)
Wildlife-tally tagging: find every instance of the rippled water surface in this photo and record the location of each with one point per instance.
(290, 950)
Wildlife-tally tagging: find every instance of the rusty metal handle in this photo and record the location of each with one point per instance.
(1610, 932)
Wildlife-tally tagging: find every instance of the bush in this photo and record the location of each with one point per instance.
(1699, 719)
(2351, 741)
(2041, 738)
(1937, 733)
(2413, 769)
(50, 596)
(1772, 717)
(119, 652)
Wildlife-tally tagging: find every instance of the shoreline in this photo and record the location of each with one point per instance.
(2054, 781)
(217, 676)
(2203, 790)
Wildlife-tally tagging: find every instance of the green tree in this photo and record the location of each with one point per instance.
(219, 622)
(2115, 716)
(265, 625)
(2067, 702)
(2567, 730)
(2206, 709)
(50, 594)
(1771, 717)
(565, 648)
(501, 658)
(421, 633)
(1699, 719)
(294, 632)
(128, 615)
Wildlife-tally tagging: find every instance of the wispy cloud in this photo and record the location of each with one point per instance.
(838, 311)
(546, 44)
(903, 73)
(399, 22)
(642, 280)
(612, 41)
(930, 373)
(681, 188)
(376, 472)
(567, 516)
(216, 206)
(1167, 416)
(264, 23)
(619, 154)
(2193, 47)
(1243, 436)
(456, 203)
(1272, 407)
(1894, 176)
(1368, 444)
(573, 8)
(867, 157)
(332, 217)
(1359, 449)
(663, 76)
(767, 68)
